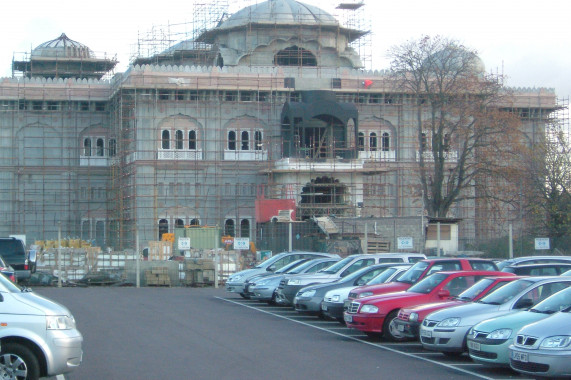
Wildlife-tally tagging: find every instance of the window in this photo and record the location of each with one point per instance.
(373, 141)
(232, 140)
(163, 227)
(87, 147)
(446, 142)
(53, 106)
(179, 223)
(112, 147)
(84, 106)
(423, 141)
(165, 137)
(258, 140)
(385, 142)
(100, 148)
(361, 142)
(99, 106)
(295, 56)
(37, 106)
(245, 228)
(163, 95)
(195, 222)
(245, 140)
(229, 228)
(178, 139)
(192, 140)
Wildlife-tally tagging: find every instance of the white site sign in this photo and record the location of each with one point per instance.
(241, 243)
(183, 243)
(404, 243)
(541, 243)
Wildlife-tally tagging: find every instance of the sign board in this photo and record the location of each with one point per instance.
(183, 243)
(241, 243)
(404, 243)
(541, 243)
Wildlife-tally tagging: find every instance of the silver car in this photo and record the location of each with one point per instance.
(445, 330)
(544, 348)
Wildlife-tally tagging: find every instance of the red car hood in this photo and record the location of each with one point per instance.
(389, 287)
(424, 310)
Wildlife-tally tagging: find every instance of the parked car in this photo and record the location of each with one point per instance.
(38, 337)
(288, 289)
(14, 253)
(264, 288)
(236, 282)
(334, 301)
(420, 270)
(251, 281)
(308, 299)
(410, 319)
(544, 269)
(488, 341)
(375, 315)
(525, 260)
(7, 270)
(542, 349)
(446, 330)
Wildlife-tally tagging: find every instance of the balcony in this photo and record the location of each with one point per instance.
(179, 154)
(93, 161)
(245, 155)
(377, 155)
(328, 165)
(428, 156)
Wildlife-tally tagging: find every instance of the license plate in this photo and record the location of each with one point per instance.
(323, 307)
(474, 346)
(348, 318)
(426, 333)
(519, 356)
(400, 327)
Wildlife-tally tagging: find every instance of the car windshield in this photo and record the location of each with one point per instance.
(382, 277)
(474, 290)
(426, 285)
(557, 302)
(270, 261)
(290, 266)
(302, 267)
(506, 292)
(337, 266)
(568, 273)
(8, 286)
(413, 273)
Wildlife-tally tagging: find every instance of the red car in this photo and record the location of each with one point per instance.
(409, 319)
(420, 270)
(375, 315)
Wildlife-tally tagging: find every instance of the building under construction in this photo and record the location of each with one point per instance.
(268, 114)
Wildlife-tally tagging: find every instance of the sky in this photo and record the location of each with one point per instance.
(529, 42)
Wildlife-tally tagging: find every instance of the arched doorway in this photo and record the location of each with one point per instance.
(324, 196)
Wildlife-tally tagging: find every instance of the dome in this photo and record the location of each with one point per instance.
(454, 57)
(281, 12)
(62, 47)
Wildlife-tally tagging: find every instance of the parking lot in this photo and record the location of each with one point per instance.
(183, 333)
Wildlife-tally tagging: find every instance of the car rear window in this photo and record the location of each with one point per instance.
(483, 265)
(12, 250)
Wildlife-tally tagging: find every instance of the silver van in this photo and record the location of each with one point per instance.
(38, 337)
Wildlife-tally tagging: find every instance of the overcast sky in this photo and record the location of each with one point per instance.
(528, 41)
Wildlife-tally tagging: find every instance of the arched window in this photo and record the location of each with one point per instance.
(163, 227)
(192, 140)
(166, 137)
(232, 140)
(295, 56)
(86, 230)
(229, 229)
(87, 146)
(100, 147)
(361, 142)
(258, 140)
(179, 223)
(385, 142)
(178, 138)
(245, 136)
(447, 142)
(373, 142)
(244, 228)
(112, 147)
(423, 141)
(195, 222)
(100, 233)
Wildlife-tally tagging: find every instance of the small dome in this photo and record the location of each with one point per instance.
(62, 47)
(281, 12)
(452, 58)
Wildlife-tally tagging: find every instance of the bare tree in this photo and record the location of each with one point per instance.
(463, 135)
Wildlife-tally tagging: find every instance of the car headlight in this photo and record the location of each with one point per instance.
(335, 298)
(558, 341)
(59, 322)
(413, 317)
(308, 293)
(500, 334)
(294, 282)
(365, 294)
(449, 322)
(369, 309)
(235, 278)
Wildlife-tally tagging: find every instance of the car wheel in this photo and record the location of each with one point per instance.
(17, 362)
(244, 295)
(390, 331)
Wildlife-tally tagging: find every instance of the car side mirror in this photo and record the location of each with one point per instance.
(33, 256)
(444, 293)
(270, 269)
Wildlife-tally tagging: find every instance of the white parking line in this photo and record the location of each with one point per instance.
(384, 347)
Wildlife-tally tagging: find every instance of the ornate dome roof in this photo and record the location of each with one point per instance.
(62, 47)
(284, 12)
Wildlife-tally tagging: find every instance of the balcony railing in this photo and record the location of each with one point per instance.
(428, 156)
(179, 154)
(245, 155)
(93, 161)
(378, 155)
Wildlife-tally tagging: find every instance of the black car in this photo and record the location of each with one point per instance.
(550, 269)
(14, 253)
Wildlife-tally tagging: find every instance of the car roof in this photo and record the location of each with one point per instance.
(521, 259)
